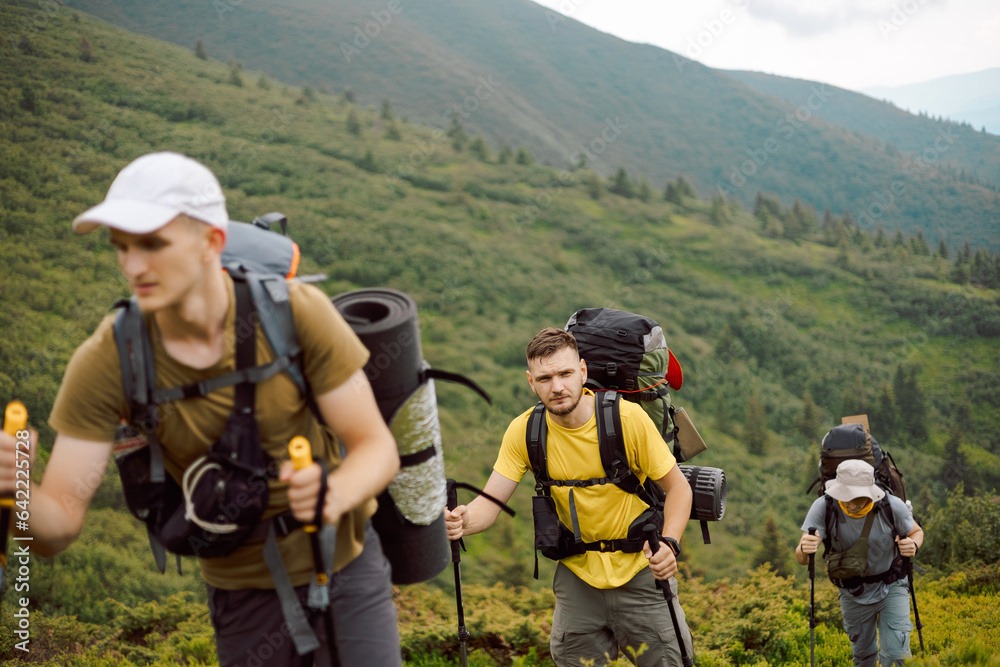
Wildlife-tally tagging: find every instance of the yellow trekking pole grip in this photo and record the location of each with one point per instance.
(15, 418)
(301, 453)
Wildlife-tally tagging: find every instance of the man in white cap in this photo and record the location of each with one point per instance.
(167, 220)
(866, 532)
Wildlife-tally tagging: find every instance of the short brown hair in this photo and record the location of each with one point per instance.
(548, 341)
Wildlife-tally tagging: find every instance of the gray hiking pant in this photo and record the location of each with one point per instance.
(594, 624)
(250, 630)
(890, 617)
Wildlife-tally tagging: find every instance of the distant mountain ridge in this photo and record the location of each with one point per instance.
(973, 98)
(558, 85)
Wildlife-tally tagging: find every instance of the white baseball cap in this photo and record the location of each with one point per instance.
(153, 190)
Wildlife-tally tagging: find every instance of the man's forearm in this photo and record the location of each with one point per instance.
(677, 510)
(48, 523)
(482, 514)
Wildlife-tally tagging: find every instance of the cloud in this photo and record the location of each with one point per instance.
(809, 18)
(989, 31)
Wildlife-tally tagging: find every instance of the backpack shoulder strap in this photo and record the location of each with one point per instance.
(885, 507)
(830, 521)
(607, 413)
(614, 458)
(536, 434)
(134, 352)
(274, 309)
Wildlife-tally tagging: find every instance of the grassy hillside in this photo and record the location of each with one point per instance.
(761, 309)
(520, 74)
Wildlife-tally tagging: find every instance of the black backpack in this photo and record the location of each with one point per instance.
(629, 353)
(853, 441)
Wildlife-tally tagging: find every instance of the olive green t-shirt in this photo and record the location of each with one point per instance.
(91, 404)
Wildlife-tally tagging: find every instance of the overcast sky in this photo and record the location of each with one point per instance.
(854, 44)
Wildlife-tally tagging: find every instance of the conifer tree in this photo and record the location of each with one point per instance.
(353, 123)
(955, 469)
(773, 549)
(672, 194)
(910, 403)
(942, 250)
(456, 132)
(644, 192)
(883, 414)
(29, 98)
(755, 436)
(480, 149)
(811, 420)
(86, 53)
(235, 77)
(387, 114)
(524, 157)
(621, 185)
(720, 212)
(594, 185)
(505, 155)
(199, 50)
(880, 239)
(684, 188)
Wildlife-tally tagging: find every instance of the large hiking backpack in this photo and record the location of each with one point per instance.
(852, 440)
(627, 357)
(629, 353)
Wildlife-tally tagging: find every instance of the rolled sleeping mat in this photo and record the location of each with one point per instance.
(708, 486)
(409, 519)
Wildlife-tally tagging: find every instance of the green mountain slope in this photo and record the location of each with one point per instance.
(492, 251)
(520, 74)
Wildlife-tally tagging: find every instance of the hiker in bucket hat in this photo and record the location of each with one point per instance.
(867, 533)
(167, 220)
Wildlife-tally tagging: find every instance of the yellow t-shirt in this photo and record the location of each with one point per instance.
(91, 404)
(605, 511)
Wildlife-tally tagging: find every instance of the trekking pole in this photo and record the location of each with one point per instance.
(908, 564)
(812, 605)
(456, 558)
(15, 419)
(653, 539)
(301, 454)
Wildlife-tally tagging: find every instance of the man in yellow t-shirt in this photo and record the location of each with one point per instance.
(167, 220)
(605, 601)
